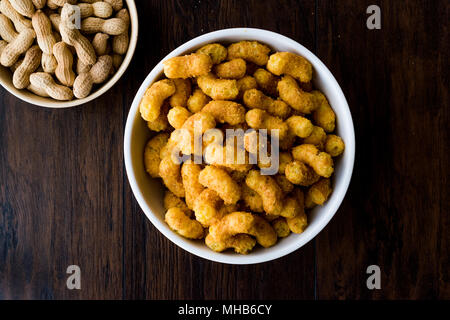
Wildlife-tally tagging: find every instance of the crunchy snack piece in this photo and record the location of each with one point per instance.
(182, 93)
(284, 183)
(197, 101)
(281, 227)
(260, 119)
(298, 99)
(252, 199)
(226, 111)
(300, 126)
(227, 208)
(185, 226)
(215, 51)
(189, 175)
(160, 123)
(241, 243)
(334, 145)
(291, 207)
(246, 223)
(244, 84)
(184, 138)
(321, 162)
(172, 201)
(252, 51)
(170, 173)
(152, 152)
(243, 126)
(260, 150)
(284, 159)
(205, 120)
(179, 141)
(220, 181)
(323, 115)
(233, 69)
(154, 97)
(218, 89)
(317, 137)
(280, 109)
(288, 141)
(192, 65)
(177, 116)
(309, 204)
(266, 81)
(268, 190)
(207, 207)
(264, 163)
(298, 223)
(225, 157)
(299, 173)
(166, 151)
(254, 98)
(214, 136)
(292, 64)
(319, 192)
(256, 147)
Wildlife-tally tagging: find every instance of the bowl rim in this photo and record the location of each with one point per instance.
(56, 104)
(310, 232)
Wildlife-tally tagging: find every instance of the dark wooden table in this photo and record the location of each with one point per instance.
(65, 198)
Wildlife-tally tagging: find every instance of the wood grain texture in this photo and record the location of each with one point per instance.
(61, 199)
(395, 214)
(65, 198)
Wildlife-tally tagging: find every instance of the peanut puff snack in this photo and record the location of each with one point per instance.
(226, 199)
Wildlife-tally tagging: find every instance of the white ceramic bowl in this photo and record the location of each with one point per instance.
(149, 192)
(25, 95)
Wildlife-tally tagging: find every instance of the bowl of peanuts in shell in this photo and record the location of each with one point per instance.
(64, 53)
(229, 211)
